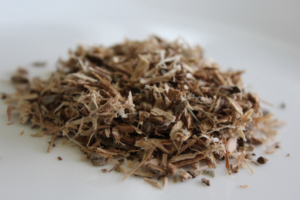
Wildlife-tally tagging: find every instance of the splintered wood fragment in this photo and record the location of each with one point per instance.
(227, 164)
(190, 143)
(205, 181)
(110, 88)
(200, 142)
(180, 108)
(59, 158)
(165, 181)
(249, 167)
(172, 169)
(164, 161)
(145, 158)
(174, 180)
(147, 174)
(153, 183)
(52, 142)
(241, 133)
(10, 123)
(183, 175)
(235, 105)
(158, 79)
(168, 118)
(194, 117)
(22, 133)
(9, 111)
(244, 186)
(190, 161)
(141, 68)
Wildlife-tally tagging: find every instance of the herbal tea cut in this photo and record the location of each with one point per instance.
(152, 108)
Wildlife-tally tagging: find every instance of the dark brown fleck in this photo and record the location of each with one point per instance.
(262, 160)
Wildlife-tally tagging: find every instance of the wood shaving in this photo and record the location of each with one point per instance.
(183, 175)
(165, 181)
(9, 111)
(153, 183)
(174, 179)
(158, 105)
(244, 186)
(205, 181)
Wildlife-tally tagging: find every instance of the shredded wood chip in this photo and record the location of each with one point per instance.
(205, 181)
(165, 181)
(153, 183)
(9, 111)
(244, 186)
(183, 175)
(159, 105)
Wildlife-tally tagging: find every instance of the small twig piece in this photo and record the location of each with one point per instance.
(194, 117)
(206, 181)
(52, 142)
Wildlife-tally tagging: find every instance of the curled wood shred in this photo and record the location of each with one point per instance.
(159, 105)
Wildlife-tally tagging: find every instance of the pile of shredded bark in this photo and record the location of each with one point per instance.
(150, 108)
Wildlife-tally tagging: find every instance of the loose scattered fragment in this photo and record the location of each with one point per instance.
(9, 111)
(153, 183)
(22, 133)
(244, 186)
(157, 106)
(165, 181)
(174, 180)
(205, 181)
(39, 64)
(209, 172)
(288, 155)
(59, 158)
(262, 160)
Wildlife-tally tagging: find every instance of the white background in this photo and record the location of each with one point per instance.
(260, 36)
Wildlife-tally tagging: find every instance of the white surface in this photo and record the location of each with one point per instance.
(261, 36)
